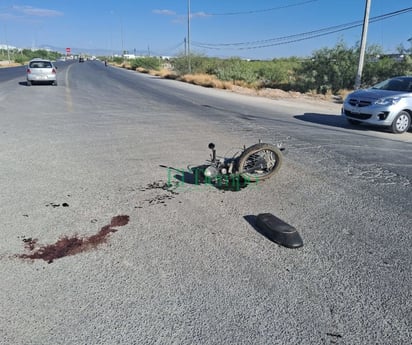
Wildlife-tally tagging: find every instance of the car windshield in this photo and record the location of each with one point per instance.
(41, 64)
(395, 84)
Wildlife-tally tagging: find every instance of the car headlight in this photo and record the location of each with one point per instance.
(388, 101)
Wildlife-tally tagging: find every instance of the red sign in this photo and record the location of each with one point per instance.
(67, 50)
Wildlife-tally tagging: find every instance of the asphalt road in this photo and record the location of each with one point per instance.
(84, 169)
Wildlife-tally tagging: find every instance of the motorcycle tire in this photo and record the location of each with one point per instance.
(259, 162)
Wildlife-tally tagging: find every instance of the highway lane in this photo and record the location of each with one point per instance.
(8, 73)
(19, 72)
(188, 267)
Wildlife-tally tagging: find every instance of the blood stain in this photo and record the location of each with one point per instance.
(30, 243)
(66, 246)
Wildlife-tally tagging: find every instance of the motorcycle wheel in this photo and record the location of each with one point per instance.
(259, 162)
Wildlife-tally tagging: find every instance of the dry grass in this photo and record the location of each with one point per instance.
(240, 86)
(9, 64)
(343, 93)
(126, 65)
(142, 70)
(206, 80)
(164, 73)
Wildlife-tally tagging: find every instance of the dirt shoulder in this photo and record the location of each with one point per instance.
(210, 81)
(5, 63)
(287, 95)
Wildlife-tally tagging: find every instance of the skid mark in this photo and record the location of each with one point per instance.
(66, 246)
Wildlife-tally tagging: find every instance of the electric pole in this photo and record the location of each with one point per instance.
(188, 37)
(363, 44)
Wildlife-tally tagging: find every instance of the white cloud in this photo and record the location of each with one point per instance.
(165, 12)
(37, 12)
(181, 18)
(199, 14)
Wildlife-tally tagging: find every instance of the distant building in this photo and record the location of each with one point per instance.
(7, 46)
(129, 56)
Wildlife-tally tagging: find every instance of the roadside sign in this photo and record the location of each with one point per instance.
(68, 50)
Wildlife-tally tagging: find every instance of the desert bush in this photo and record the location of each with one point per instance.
(327, 71)
(164, 73)
(205, 80)
(24, 55)
(236, 70)
(118, 60)
(148, 63)
(198, 64)
(278, 73)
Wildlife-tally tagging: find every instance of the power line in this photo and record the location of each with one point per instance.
(260, 11)
(283, 38)
(297, 37)
(310, 34)
(175, 47)
(168, 51)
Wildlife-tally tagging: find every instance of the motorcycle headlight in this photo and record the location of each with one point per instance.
(388, 101)
(211, 172)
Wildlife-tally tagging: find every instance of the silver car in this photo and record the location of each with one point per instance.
(388, 104)
(41, 71)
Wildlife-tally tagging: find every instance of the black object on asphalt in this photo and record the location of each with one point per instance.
(278, 231)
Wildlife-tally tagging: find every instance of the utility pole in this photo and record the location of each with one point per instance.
(120, 18)
(121, 34)
(8, 52)
(363, 44)
(7, 44)
(188, 37)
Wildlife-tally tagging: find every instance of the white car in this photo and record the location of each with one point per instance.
(388, 104)
(41, 71)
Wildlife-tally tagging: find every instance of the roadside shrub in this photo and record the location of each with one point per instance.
(148, 63)
(118, 60)
(20, 59)
(198, 64)
(278, 73)
(236, 70)
(205, 80)
(327, 71)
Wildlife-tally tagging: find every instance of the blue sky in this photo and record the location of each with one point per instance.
(160, 26)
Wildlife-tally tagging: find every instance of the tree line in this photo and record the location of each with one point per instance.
(327, 70)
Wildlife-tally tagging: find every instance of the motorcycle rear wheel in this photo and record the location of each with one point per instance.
(259, 162)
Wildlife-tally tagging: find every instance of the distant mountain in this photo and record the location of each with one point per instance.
(73, 50)
(7, 46)
(78, 51)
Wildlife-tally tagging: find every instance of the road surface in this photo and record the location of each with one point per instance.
(106, 239)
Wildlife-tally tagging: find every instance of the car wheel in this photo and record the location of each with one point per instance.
(401, 123)
(354, 122)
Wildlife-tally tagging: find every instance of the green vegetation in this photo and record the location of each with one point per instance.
(326, 71)
(149, 63)
(264, 73)
(24, 55)
(118, 60)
